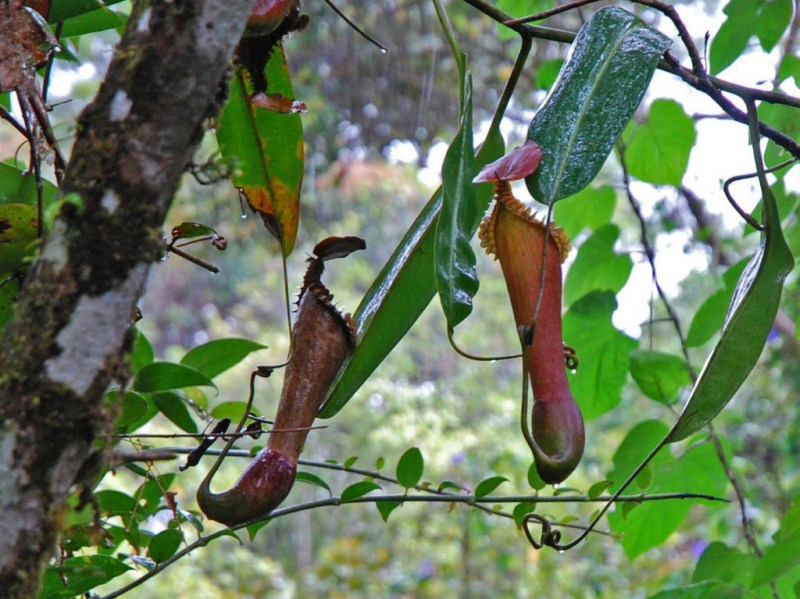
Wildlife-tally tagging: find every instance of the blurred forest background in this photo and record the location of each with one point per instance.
(375, 132)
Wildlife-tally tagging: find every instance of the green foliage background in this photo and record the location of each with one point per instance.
(462, 415)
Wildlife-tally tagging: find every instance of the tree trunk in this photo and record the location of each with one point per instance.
(72, 326)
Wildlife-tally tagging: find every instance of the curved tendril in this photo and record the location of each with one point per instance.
(233, 437)
(543, 274)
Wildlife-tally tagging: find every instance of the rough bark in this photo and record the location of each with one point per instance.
(67, 340)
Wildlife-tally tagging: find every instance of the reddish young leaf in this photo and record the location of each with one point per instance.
(517, 164)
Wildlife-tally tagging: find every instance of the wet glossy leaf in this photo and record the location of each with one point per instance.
(608, 70)
(82, 573)
(164, 545)
(488, 485)
(410, 468)
(603, 353)
(597, 266)
(657, 151)
(456, 276)
(385, 508)
(659, 375)
(215, 357)
(313, 479)
(164, 376)
(173, 406)
(265, 149)
(401, 291)
(749, 320)
(359, 489)
(592, 207)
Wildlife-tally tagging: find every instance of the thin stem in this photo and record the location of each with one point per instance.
(403, 498)
(193, 259)
(470, 356)
(726, 189)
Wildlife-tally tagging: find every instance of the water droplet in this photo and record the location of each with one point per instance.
(383, 50)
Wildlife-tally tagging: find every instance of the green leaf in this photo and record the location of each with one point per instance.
(217, 356)
(710, 317)
(708, 589)
(401, 291)
(164, 376)
(82, 575)
(591, 207)
(19, 187)
(142, 353)
(230, 409)
(18, 237)
(521, 510)
(774, 18)
(660, 376)
(410, 468)
(385, 508)
(133, 408)
(547, 73)
(164, 545)
(720, 562)
(115, 502)
(657, 151)
(61, 10)
(597, 266)
(151, 492)
(784, 555)
(265, 149)
(605, 77)
(173, 406)
(603, 353)
(91, 22)
(778, 560)
(534, 480)
(349, 462)
(731, 39)
(359, 489)
(456, 275)
(598, 488)
(449, 484)
(749, 320)
(488, 485)
(697, 471)
(8, 300)
(313, 479)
